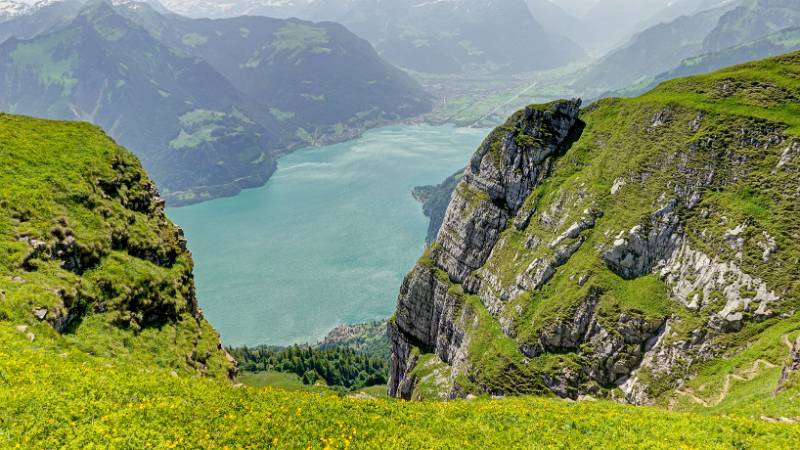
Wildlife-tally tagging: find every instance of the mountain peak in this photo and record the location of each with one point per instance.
(98, 6)
(141, 4)
(107, 22)
(11, 8)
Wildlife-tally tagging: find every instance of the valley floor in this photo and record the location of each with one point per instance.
(483, 100)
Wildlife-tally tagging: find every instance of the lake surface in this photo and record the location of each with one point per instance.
(327, 241)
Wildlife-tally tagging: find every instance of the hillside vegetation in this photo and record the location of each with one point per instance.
(88, 260)
(339, 367)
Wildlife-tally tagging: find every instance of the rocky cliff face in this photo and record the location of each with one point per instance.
(435, 200)
(611, 251)
(508, 165)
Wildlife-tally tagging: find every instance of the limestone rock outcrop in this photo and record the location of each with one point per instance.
(510, 163)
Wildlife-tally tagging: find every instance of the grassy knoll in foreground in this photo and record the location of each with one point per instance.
(50, 398)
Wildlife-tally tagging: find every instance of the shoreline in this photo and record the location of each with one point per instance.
(267, 216)
(247, 183)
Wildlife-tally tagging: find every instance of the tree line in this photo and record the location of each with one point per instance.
(342, 367)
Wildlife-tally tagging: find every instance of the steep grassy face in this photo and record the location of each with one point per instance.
(640, 263)
(88, 260)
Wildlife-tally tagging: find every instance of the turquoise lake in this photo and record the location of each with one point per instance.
(326, 241)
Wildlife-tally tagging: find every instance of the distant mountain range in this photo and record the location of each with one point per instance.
(677, 8)
(609, 22)
(206, 104)
(600, 25)
(427, 36)
(317, 76)
(777, 43)
(10, 9)
(664, 47)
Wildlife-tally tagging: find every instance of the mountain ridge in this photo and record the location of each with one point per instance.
(434, 37)
(212, 133)
(598, 267)
(776, 43)
(664, 46)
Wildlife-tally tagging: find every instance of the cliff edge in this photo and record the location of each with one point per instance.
(634, 250)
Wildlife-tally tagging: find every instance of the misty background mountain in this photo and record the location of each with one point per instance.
(209, 104)
(596, 25)
(434, 37)
(664, 47)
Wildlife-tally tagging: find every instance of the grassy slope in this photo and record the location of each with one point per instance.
(764, 94)
(50, 398)
(282, 380)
